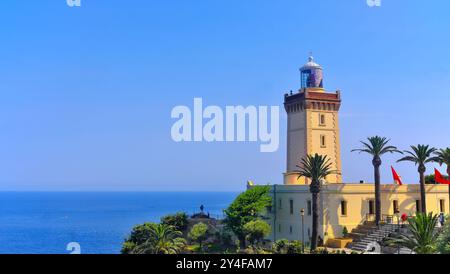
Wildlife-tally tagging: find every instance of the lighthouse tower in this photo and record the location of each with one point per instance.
(313, 124)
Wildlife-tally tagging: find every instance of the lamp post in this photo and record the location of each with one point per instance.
(397, 214)
(302, 213)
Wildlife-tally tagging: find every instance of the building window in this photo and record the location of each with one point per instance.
(442, 205)
(280, 204)
(290, 230)
(323, 141)
(371, 207)
(279, 228)
(291, 206)
(395, 206)
(309, 206)
(344, 208)
(322, 120)
(418, 206)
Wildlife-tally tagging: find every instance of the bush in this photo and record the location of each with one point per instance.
(345, 232)
(178, 220)
(321, 250)
(225, 237)
(255, 231)
(295, 247)
(199, 233)
(443, 241)
(280, 246)
(284, 246)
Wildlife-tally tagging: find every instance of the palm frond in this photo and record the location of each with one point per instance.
(422, 236)
(315, 167)
(420, 155)
(376, 146)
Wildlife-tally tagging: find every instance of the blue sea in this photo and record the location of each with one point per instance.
(45, 222)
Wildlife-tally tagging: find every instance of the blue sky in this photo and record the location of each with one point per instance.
(86, 93)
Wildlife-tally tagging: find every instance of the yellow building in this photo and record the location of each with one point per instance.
(313, 127)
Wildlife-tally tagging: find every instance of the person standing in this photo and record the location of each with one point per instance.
(441, 219)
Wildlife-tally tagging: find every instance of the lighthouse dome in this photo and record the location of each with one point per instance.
(311, 64)
(311, 74)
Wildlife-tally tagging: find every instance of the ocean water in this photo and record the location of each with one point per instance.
(45, 222)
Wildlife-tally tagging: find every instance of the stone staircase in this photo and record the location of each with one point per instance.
(367, 236)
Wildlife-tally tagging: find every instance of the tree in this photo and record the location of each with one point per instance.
(377, 146)
(256, 231)
(316, 168)
(422, 236)
(443, 158)
(138, 236)
(420, 156)
(155, 239)
(430, 180)
(199, 233)
(178, 220)
(245, 208)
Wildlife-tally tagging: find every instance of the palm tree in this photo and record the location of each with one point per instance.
(420, 156)
(163, 239)
(422, 237)
(377, 146)
(316, 168)
(443, 156)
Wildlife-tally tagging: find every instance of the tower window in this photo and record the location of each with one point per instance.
(290, 229)
(395, 206)
(309, 206)
(442, 205)
(322, 119)
(291, 206)
(344, 208)
(280, 204)
(323, 141)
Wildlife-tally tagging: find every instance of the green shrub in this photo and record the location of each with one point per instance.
(345, 232)
(280, 246)
(443, 241)
(284, 246)
(178, 220)
(199, 233)
(256, 231)
(295, 247)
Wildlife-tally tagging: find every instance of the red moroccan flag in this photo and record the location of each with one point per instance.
(397, 179)
(439, 178)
